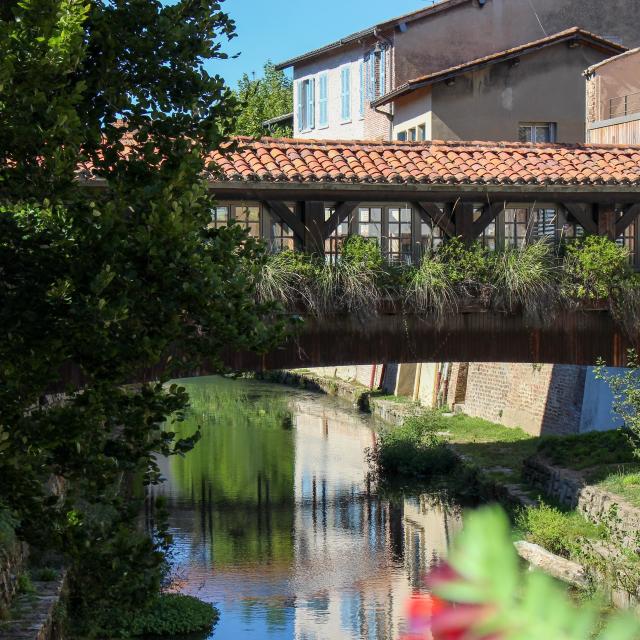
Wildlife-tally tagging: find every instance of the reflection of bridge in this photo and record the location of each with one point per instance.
(579, 338)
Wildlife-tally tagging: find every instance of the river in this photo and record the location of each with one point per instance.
(276, 521)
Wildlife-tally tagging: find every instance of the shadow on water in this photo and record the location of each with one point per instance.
(276, 519)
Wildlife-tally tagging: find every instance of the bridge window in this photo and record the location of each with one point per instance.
(249, 218)
(282, 237)
(333, 244)
(629, 240)
(369, 223)
(515, 227)
(219, 217)
(488, 238)
(430, 238)
(400, 241)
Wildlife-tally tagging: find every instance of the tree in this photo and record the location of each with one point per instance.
(261, 99)
(112, 275)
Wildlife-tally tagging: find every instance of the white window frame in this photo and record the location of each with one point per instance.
(552, 126)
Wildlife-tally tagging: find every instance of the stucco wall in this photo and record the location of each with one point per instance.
(488, 104)
(620, 77)
(468, 31)
(413, 110)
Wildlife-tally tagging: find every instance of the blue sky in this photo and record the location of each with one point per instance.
(281, 29)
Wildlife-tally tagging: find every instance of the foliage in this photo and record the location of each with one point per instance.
(363, 252)
(413, 450)
(287, 277)
(107, 282)
(174, 614)
(468, 267)
(595, 268)
(624, 481)
(8, 526)
(483, 594)
(625, 387)
(431, 289)
(588, 449)
(261, 99)
(527, 277)
(557, 531)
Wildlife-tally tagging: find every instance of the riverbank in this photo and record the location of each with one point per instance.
(544, 481)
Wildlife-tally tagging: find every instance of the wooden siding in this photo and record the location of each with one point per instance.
(623, 133)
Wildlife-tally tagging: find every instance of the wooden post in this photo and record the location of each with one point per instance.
(606, 215)
(313, 219)
(463, 217)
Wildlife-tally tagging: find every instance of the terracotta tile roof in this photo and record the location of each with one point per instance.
(568, 35)
(283, 160)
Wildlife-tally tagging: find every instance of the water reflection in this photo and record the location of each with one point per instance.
(277, 522)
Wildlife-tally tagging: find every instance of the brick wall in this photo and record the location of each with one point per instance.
(541, 399)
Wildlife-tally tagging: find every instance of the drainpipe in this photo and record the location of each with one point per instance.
(372, 382)
(384, 40)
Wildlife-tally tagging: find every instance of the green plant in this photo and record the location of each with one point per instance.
(483, 593)
(8, 526)
(560, 532)
(526, 277)
(287, 277)
(44, 574)
(594, 268)
(625, 388)
(363, 252)
(24, 584)
(469, 267)
(172, 615)
(430, 288)
(413, 450)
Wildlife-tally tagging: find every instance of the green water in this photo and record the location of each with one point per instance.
(276, 519)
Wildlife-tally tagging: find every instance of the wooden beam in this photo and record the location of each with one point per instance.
(583, 214)
(313, 217)
(433, 215)
(489, 213)
(283, 212)
(463, 218)
(341, 213)
(607, 215)
(628, 217)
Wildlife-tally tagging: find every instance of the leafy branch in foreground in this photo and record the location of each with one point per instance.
(481, 593)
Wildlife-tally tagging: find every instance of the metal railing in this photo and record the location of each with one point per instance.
(624, 105)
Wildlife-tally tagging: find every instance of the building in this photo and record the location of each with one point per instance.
(335, 85)
(504, 96)
(613, 100)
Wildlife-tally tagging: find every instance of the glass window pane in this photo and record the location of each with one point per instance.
(364, 215)
(394, 215)
(376, 215)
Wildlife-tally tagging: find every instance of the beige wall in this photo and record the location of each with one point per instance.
(411, 111)
(620, 77)
(546, 86)
(468, 31)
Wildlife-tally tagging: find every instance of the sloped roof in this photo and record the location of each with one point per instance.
(626, 54)
(568, 35)
(281, 160)
(440, 6)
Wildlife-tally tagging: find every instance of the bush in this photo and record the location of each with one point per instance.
(364, 252)
(467, 267)
(173, 614)
(430, 288)
(8, 525)
(287, 277)
(558, 532)
(527, 277)
(595, 268)
(413, 450)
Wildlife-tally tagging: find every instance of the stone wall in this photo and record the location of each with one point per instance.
(570, 490)
(541, 399)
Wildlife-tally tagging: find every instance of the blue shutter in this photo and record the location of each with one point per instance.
(311, 108)
(323, 116)
(372, 77)
(362, 88)
(383, 71)
(346, 93)
(301, 123)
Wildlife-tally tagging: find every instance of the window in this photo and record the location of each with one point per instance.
(323, 101)
(333, 244)
(431, 237)
(628, 240)
(538, 132)
(399, 249)
(369, 223)
(306, 104)
(219, 217)
(422, 132)
(281, 237)
(488, 238)
(377, 72)
(515, 227)
(402, 136)
(543, 223)
(412, 135)
(345, 77)
(249, 218)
